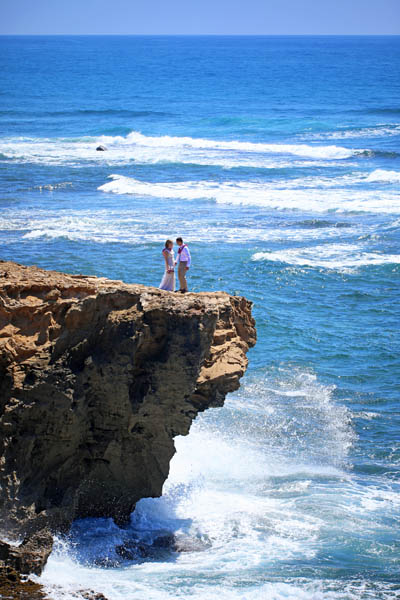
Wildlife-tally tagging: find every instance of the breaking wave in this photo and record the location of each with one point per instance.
(152, 149)
(314, 198)
(384, 176)
(238, 498)
(207, 144)
(329, 256)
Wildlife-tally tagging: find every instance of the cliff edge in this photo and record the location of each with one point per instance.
(97, 377)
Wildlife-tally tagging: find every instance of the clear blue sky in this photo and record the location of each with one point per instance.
(199, 16)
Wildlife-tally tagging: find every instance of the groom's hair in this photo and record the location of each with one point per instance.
(179, 239)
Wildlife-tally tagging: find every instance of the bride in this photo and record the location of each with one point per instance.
(168, 281)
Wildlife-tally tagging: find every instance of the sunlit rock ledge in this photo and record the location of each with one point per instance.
(97, 377)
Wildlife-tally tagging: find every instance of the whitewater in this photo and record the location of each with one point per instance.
(278, 160)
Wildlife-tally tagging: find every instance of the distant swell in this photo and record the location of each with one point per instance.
(377, 154)
(118, 112)
(383, 130)
(89, 112)
(383, 111)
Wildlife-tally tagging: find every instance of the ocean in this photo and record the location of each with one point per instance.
(278, 160)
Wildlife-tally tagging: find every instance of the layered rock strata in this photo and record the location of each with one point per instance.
(97, 377)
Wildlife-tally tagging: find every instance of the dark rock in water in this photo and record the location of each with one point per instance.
(97, 377)
(91, 595)
(188, 543)
(133, 551)
(138, 549)
(166, 540)
(101, 148)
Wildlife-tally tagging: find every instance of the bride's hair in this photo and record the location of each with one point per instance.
(168, 242)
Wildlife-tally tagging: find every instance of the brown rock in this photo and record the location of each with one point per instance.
(12, 587)
(97, 377)
(30, 556)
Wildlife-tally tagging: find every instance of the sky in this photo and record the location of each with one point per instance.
(229, 17)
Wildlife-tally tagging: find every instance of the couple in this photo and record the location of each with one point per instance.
(183, 261)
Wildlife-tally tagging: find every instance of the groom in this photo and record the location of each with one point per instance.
(184, 261)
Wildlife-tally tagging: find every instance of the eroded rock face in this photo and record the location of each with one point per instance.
(28, 557)
(13, 587)
(96, 379)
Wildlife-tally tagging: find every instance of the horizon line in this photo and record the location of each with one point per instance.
(201, 34)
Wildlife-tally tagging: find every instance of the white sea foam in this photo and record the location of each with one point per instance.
(329, 152)
(384, 176)
(316, 199)
(243, 483)
(137, 147)
(329, 256)
(305, 589)
(50, 187)
(129, 226)
(52, 151)
(231, 235)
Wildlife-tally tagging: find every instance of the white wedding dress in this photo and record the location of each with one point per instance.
(168, 281)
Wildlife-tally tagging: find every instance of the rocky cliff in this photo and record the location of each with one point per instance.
(97, 377)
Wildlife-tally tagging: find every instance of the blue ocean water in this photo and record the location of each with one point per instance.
(278, 160)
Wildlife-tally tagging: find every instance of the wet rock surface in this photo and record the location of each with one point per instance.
(30, 556)
(161, 547)
(13, 587)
